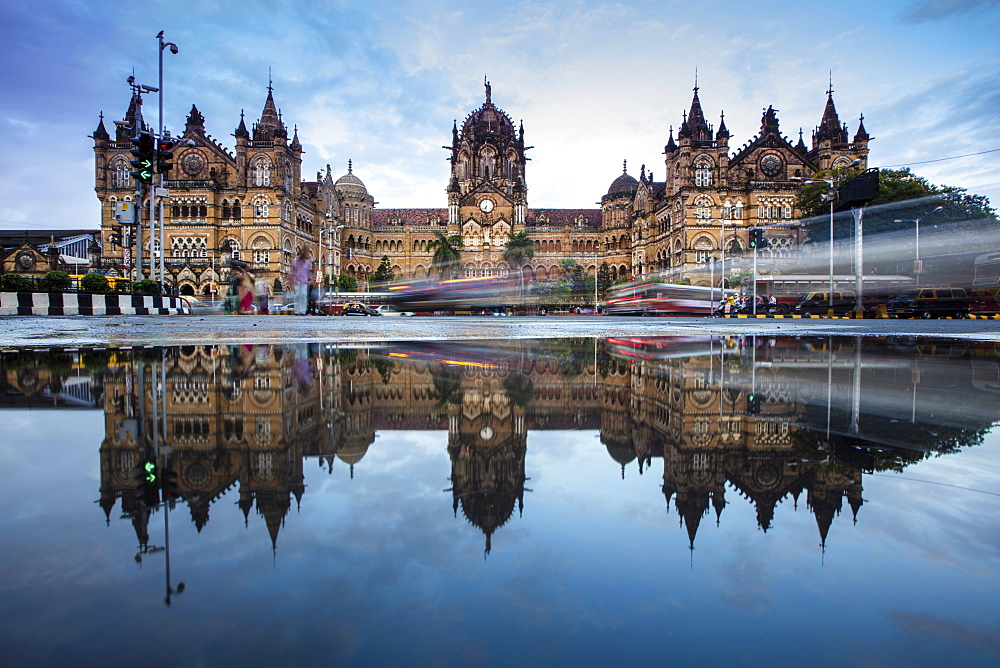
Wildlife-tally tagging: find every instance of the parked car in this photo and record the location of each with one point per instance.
(817, 302)
(357, 308)
(929, 303)
(390, 310)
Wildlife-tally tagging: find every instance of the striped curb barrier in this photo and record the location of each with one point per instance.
(65, 303)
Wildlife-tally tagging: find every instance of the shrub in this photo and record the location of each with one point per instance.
(54, 281)
(14, 283)
(146, 287)
(94, 283)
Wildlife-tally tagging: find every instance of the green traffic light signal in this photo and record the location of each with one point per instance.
(149, 471)
(144, 152)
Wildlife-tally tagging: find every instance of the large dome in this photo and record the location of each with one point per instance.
(349, 184)
(623, 184)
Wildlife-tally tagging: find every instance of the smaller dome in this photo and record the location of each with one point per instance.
(623, 184)
(349, 184)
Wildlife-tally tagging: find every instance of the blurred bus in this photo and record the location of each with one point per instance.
(787, 288)
(984, 295)
(663, 299)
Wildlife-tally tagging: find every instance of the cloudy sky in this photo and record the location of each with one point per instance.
(380, 83)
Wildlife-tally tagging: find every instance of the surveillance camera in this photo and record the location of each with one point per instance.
(174, 49)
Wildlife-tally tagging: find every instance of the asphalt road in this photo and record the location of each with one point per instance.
(72, 331)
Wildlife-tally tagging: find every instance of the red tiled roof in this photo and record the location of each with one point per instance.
(558, 217)
(411, 217)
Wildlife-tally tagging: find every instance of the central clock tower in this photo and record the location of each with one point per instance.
(487, 196)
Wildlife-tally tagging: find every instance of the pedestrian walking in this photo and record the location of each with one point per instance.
(264, 298)
(301, 277)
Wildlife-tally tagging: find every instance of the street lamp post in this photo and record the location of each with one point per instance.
(917, 266)
(173, 49)
(830, 196)
(322, 256)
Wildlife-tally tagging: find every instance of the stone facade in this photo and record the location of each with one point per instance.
(253, 205)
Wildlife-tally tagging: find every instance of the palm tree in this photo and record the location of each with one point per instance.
(519, 250)
(447, 251)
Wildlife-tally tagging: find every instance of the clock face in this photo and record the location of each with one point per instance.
(486, 205)
(486, 433)
(192, 163)
(770, 164)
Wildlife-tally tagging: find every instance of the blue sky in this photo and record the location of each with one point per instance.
(380, 83)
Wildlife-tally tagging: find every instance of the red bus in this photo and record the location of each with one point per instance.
(663, 299)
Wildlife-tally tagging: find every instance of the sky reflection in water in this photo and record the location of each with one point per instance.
(363, 504)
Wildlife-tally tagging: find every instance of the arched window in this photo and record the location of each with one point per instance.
(703, 172)
(120, 176)
(237, 210)
(260, 207)
(261, 172)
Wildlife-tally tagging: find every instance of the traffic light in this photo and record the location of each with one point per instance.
(148, 482)
(164, 154)
(144, 152)
(169, 485)
(757, 239)
(753, 404)
(116, 236)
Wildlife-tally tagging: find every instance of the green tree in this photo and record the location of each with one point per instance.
(447, 253)
(895, 186)
(347, 283)
(383, 274)
(519, 249)
(603, 280)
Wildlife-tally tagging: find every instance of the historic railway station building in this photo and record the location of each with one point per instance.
(252, 203)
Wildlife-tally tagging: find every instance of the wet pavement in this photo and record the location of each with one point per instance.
(208, 329)
(718, 500)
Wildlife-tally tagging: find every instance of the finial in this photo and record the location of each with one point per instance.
(696, 78)
(269, 80)
(624, 166)
(829, 91)
(350, 166)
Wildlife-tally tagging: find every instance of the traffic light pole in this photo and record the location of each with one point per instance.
(138, 230)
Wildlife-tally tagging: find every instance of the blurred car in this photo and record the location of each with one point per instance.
(390, 310)
(357, 308)
(929, 303)
(202, 307)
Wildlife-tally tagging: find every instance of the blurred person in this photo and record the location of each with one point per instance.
(247, 291)
(301, 277)
(264, 298)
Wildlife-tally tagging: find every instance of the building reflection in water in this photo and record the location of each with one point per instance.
(767, 420)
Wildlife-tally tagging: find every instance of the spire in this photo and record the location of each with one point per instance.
(829, 127)
(241, 130)
(861, 135)
(101, 133)
(697, 126)
(296, 144)
(723, 130)
(270, 123)
(195, 121)
(671, 146)
(801, 146)
(133, 119)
